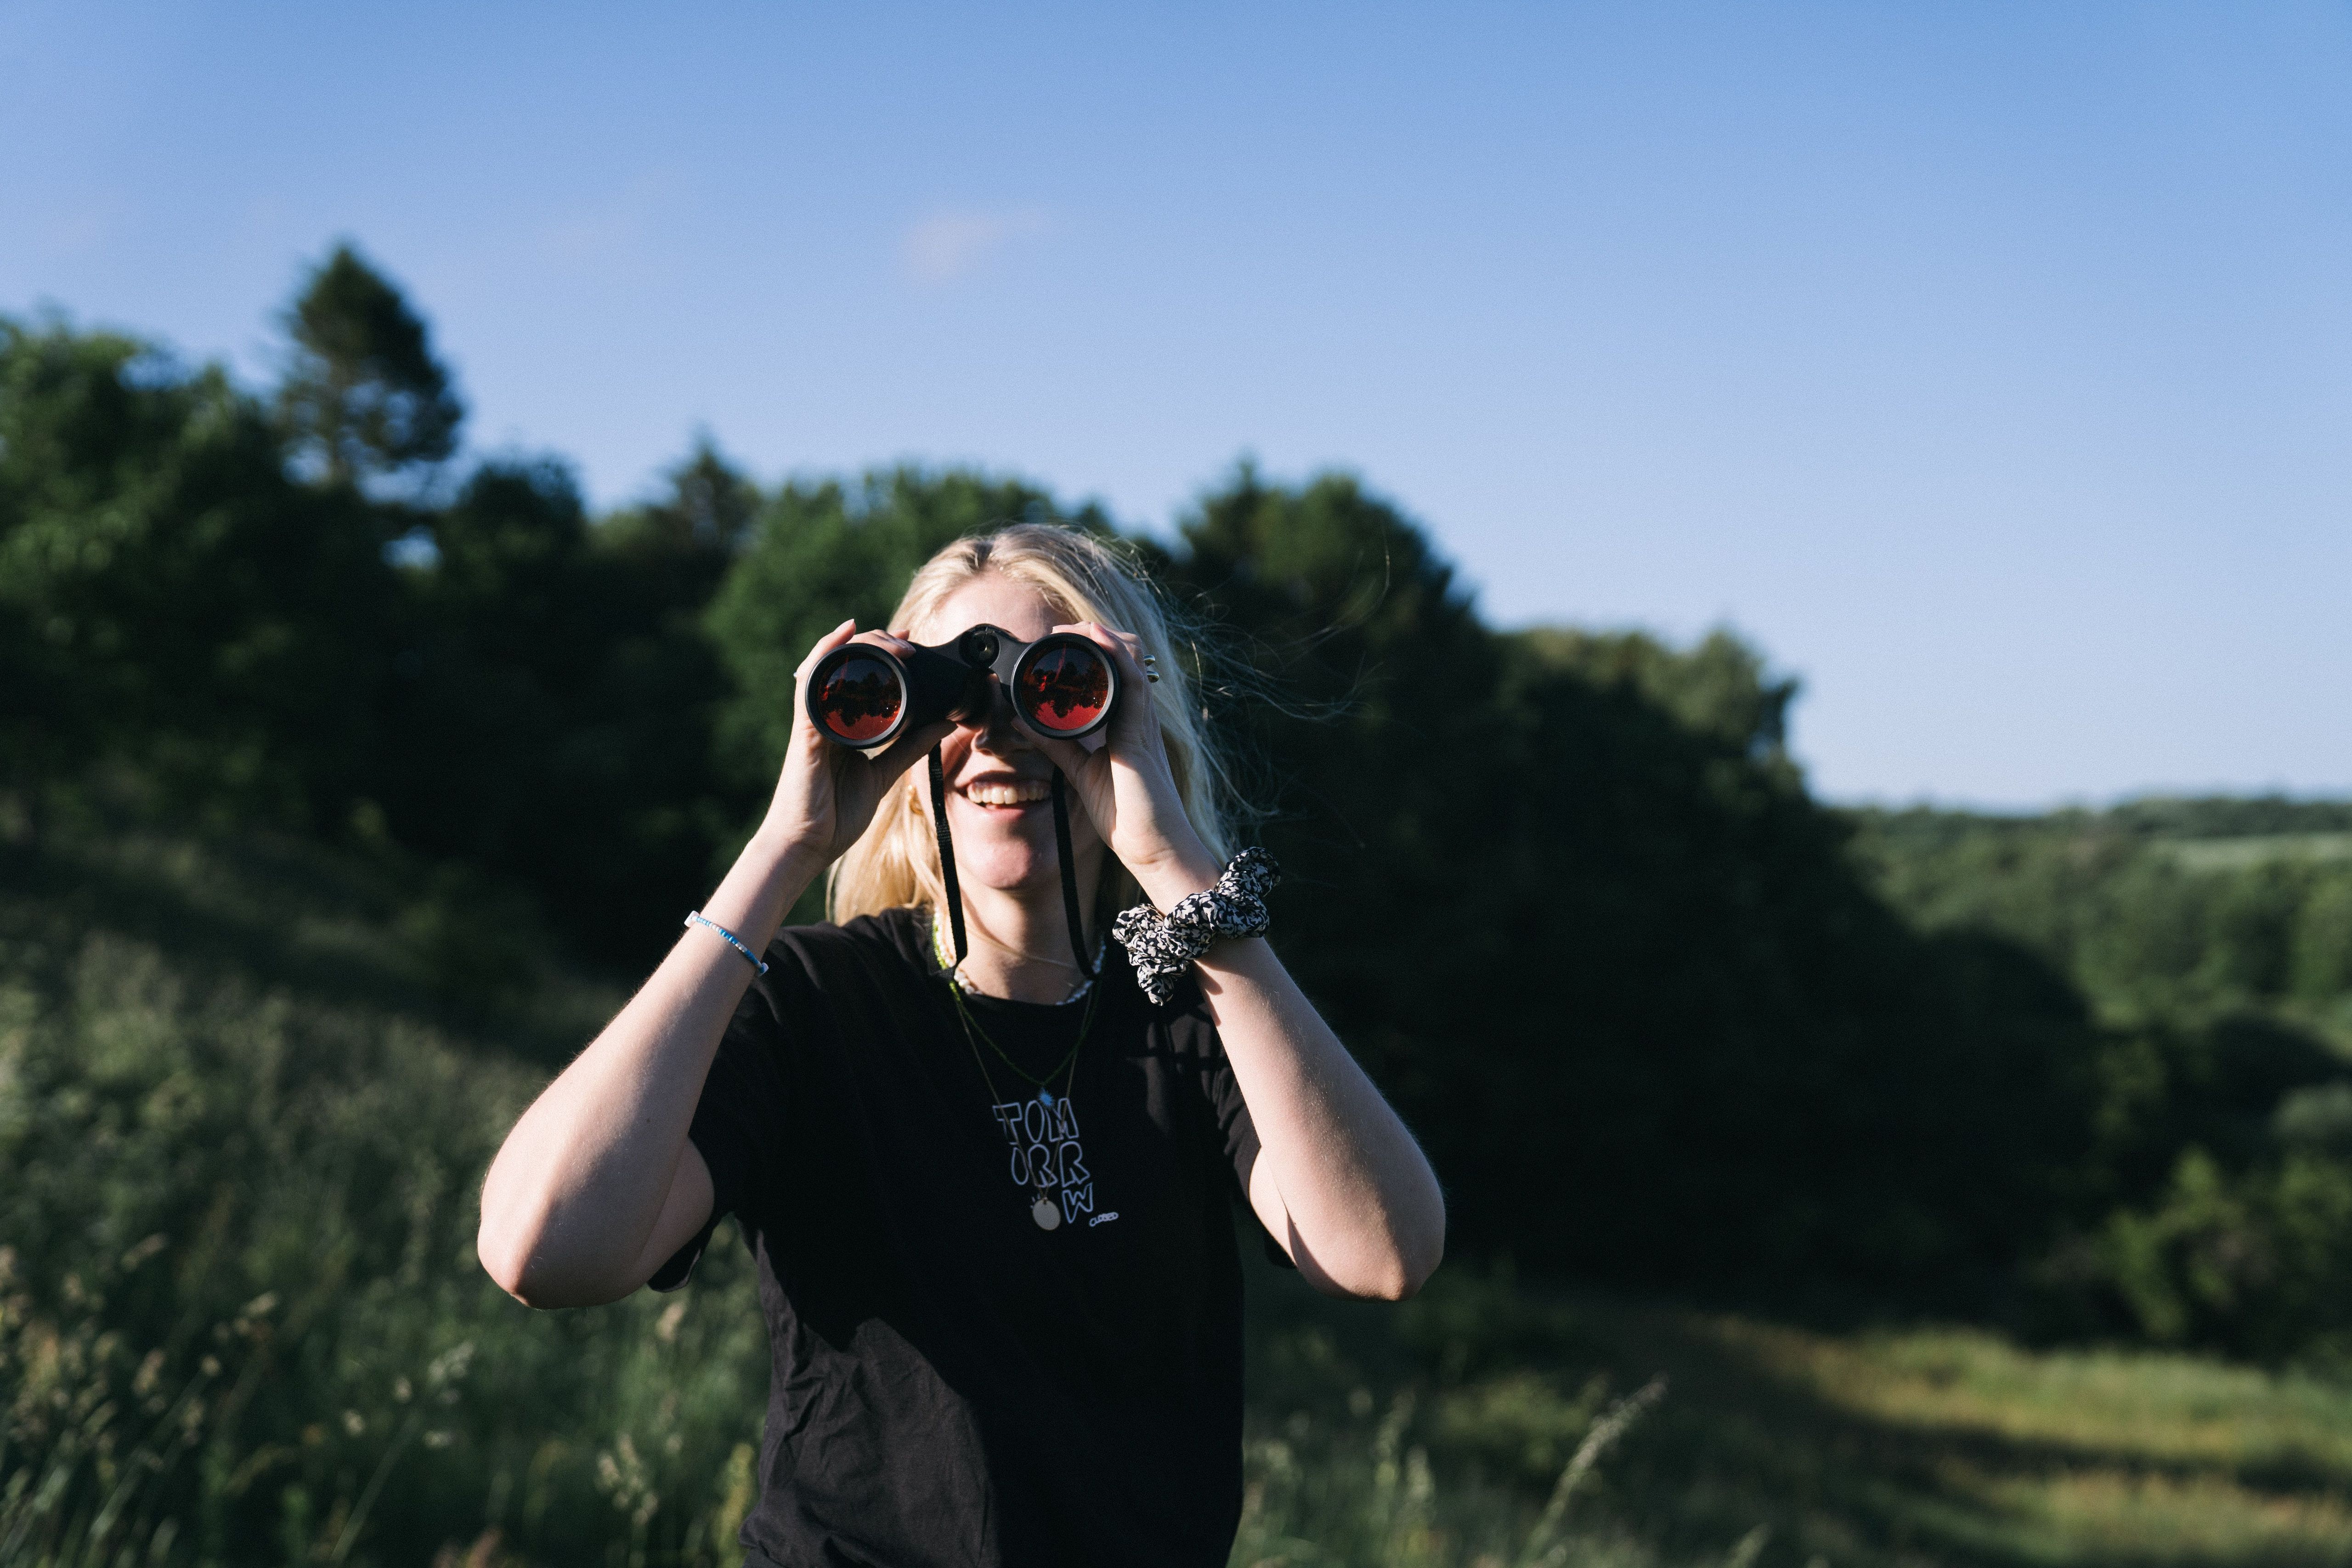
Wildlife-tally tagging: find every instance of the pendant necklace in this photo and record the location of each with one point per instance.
(1042, 1209)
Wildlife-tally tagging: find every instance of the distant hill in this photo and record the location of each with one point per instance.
(2161, 908)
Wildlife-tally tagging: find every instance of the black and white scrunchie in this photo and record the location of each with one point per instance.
(1162, 946)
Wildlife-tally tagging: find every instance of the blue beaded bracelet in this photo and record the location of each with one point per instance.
(695, 919)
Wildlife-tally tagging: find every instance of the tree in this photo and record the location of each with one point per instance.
(363, 394)
(709, 512)
(173, 609)
(1566, 896)
(550, 716)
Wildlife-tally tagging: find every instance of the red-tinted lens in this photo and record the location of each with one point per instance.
(1064, 689)
(858, 699)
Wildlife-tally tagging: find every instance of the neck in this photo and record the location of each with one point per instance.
(1018, 938)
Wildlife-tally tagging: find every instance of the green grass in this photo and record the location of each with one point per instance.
(1891, 1446)
(246, 1091)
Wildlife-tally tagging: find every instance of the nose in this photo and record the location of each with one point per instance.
(996, 731)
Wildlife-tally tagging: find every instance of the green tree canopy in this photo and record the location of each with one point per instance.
(172, 609)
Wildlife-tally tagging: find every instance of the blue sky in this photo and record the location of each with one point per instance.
(1989, 366)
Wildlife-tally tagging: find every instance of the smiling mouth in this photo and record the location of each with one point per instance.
(1007, 795)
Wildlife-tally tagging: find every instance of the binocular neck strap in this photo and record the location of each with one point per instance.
(1061, 853)
(1069, 878)
(947, 853)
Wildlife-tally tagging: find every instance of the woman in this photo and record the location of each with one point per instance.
(990, 1200)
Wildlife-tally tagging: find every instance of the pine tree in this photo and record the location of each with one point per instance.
(363, 394)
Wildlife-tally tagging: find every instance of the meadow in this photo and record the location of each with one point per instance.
(1826, 1185)
(240, 1322)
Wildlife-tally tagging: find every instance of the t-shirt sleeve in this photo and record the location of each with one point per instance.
(735, 1121)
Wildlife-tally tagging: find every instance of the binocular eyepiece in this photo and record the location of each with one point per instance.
(1062, 686)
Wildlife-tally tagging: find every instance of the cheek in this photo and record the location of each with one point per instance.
(953, 753)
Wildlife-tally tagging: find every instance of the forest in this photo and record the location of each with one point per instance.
(344, 787)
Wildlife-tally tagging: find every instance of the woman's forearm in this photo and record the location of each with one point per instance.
(1358, 1207)
(1363, 1209)
(574, 1195)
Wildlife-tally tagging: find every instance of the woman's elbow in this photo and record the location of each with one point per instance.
(1392, 1272)
(506, 1256)
(1417, 1249)
(516, 1257)
(1410, 1268)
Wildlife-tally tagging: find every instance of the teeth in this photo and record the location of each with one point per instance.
(1021, 794)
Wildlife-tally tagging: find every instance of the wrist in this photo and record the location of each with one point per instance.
(784, 858)
(1175, 872)
(1163, 943)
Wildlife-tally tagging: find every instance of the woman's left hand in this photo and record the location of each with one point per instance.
(1126, 785)
(1340, 1183)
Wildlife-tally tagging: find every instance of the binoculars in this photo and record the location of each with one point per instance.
(1062, 686)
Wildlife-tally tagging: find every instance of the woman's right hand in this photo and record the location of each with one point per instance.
(598, 1181)
(826, 792)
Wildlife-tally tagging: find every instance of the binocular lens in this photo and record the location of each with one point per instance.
(858, 699)
(1064, 689)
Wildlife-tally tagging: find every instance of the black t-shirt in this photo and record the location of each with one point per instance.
(953, 1382)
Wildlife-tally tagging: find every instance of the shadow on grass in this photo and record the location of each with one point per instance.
(437, 945)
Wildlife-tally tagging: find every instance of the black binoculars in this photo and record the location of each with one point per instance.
(1062, 686)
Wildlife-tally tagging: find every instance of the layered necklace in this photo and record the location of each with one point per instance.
(1035, 1126)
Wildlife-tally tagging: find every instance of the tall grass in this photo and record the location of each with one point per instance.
(241, 1322)
(1319, 1494)
(242, 1121)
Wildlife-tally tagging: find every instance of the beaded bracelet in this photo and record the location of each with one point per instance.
(1161, 946)
(695, 919)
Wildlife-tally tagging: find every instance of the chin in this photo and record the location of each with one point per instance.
(1000, 850)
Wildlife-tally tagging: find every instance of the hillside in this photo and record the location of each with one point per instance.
(243, 1108)
(1565, 894)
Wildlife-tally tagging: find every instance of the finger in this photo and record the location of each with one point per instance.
(804, 730)
(901, 754)
(891, 640)
(1143, 663)
(840, 637)
(826, 645)
(1125, 647)
(1134, 720)
(1070, 756)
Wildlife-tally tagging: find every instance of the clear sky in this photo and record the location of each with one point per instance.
(1989, 366)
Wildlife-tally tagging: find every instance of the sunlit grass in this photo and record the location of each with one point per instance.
(2150, 1408)
(243, 1324)
(1891, 1448)
(2105, 1512)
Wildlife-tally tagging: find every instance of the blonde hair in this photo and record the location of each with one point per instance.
(896, 862)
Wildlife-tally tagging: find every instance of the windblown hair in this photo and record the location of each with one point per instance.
(895, 863)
